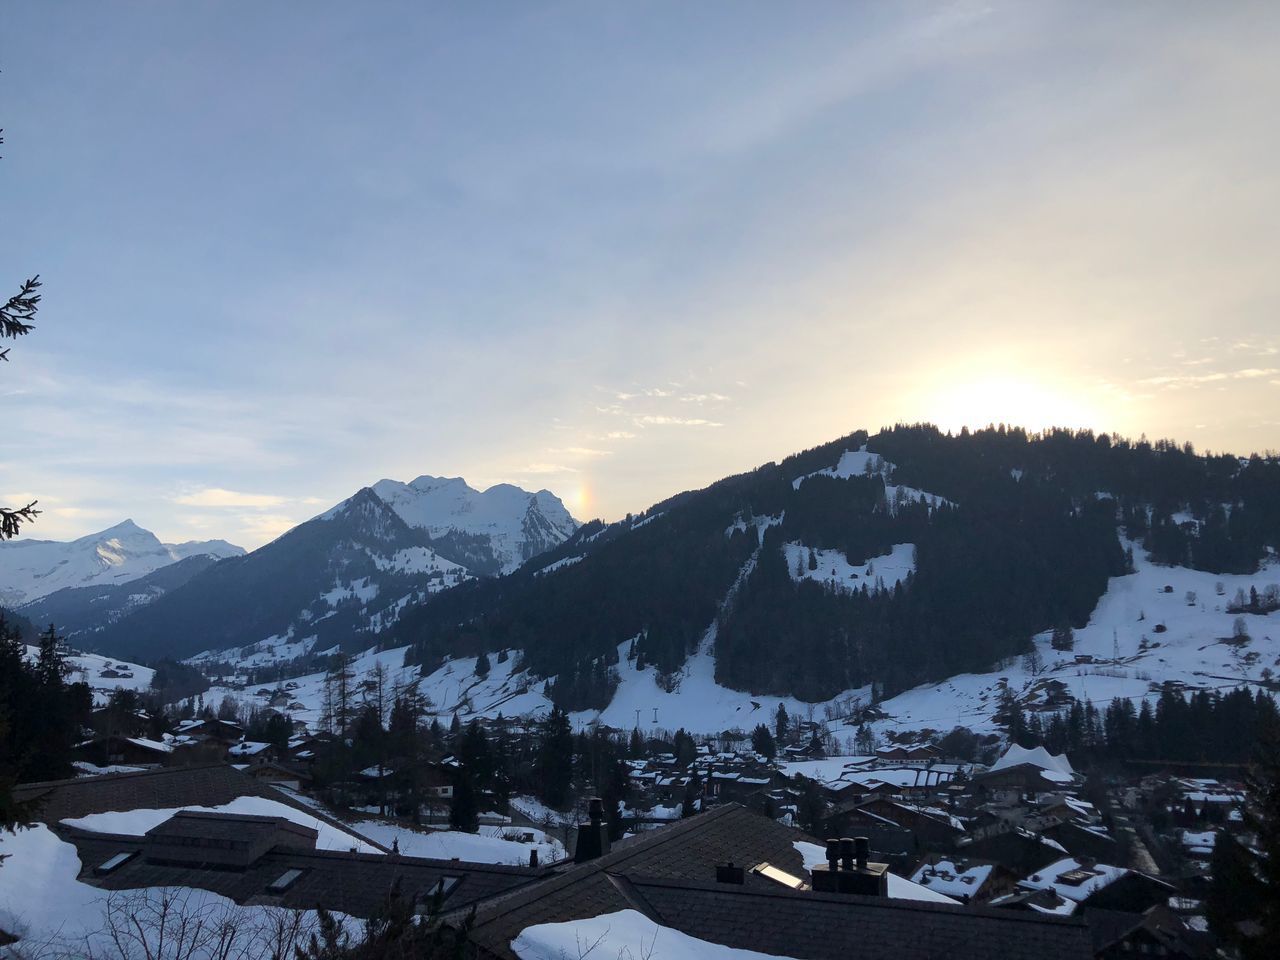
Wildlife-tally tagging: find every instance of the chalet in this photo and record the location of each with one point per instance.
(209, 728)
(918, 755)
(1091, 884)
(253, 750)
(931, 827)
(969, 881)
(1157, 931)
(132, 751)
(279, 774)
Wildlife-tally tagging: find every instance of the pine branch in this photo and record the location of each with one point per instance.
(11, 520)
(16, 315)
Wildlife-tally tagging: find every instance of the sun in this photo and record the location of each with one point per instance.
(1010, 399)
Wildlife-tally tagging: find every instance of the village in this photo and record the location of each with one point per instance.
(1126, 851)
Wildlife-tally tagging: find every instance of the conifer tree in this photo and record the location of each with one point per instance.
(762, 742)
(553, 765)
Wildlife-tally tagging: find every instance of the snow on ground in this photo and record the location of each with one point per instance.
(859, 463)
(828, 770)
(626, 933)
(43, 902)
(539, 812)
(834, 570)
(489, 845)
(1190, 649)
(135, 823)
(900, 888)
(558, 565)
(89, 668)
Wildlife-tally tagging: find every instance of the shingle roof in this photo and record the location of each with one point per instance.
(353, 883)
(669, 875)
(687, 850)
(202, 785)
(824, 926)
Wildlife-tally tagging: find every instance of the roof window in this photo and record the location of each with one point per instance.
(283, 882)
(115, 862)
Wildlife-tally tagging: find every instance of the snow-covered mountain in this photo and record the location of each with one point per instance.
(493, 531)
(31, 569)
(341, 576)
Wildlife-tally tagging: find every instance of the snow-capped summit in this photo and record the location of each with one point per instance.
(30, 569)
(516, 524)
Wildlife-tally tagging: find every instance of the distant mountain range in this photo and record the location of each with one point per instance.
(31, 569)
(335, 580)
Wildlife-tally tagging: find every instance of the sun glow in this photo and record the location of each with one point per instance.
(1009, 399)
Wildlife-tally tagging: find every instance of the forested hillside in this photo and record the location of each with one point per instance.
(1005, 535)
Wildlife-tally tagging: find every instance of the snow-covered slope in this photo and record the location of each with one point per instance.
(30, 569)
(516, 524)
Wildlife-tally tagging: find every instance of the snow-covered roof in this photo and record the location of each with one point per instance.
(1037, 757)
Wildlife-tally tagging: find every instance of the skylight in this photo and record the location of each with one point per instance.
(284, 881)
(111, 864)
(770, 872)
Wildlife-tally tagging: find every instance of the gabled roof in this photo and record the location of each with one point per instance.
(203, 785)
(353, 883)
(669, 876)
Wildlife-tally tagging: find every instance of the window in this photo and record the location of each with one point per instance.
(770, 872)
(284, 881)
(119, 860)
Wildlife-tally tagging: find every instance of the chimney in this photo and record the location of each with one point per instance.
(533, 857)
(728, 873)
(847, 870)
(593, 837)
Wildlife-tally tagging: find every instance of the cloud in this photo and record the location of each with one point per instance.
(619, 435)
(661, 421)
(584, 452)
(1179, 380)
(541, 468)
(704, 398)
(217, 497)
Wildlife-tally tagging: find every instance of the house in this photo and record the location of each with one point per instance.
(210, 728)
(252, 750)
(279, 774)
(1157, 931)
(113, 749)
(969, 881)
(1091, 884)
(918, 755)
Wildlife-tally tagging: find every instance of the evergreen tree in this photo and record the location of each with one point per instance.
(781, 723)
(1235, 893)
(464, 813)
(1262, 816)
(482, 665)
(554, 763)
(1063, 637)
(762, 742)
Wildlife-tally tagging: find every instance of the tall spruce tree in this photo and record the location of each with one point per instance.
(554, 763)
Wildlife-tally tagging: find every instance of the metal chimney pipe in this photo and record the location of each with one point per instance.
(595, 810)
(864, 850)
(833, 854)
(533, 857)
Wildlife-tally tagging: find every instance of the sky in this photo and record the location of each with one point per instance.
(615, 250)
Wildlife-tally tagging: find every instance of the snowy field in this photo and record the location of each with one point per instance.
(89, 668)
(835, 572)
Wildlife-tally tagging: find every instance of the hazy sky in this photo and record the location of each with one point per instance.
(615, 249)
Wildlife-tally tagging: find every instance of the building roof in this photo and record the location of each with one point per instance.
(670, 876)
(353, 883)
(203, 785)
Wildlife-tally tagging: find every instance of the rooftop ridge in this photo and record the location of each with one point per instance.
(890, 903)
